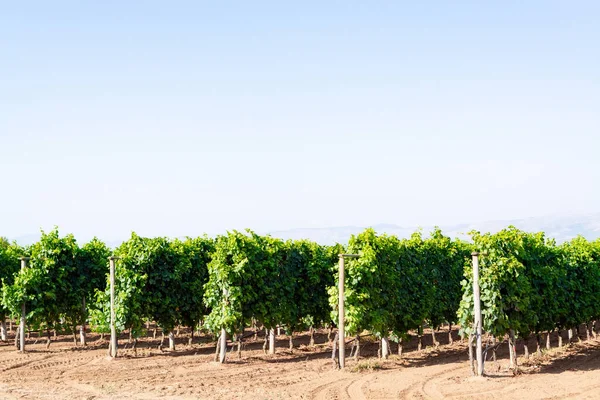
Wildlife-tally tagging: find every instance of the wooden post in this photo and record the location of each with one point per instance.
(385, 348)
(223, 348)
(113, 324)
(341, 321)
(3, 330)
(272, 341)
(171, 340)
(23, 314)
(82, 327)
(477, 314)
(223, 340)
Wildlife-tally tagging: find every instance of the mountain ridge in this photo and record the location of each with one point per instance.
(559, 227)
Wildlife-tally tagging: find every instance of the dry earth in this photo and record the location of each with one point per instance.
(67, 372)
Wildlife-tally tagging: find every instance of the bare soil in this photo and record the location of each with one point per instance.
(65, 371)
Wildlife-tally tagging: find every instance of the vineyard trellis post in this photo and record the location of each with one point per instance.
(223, 339)
(477, 314)
(341, 321)
(23, 315)
(113, 324)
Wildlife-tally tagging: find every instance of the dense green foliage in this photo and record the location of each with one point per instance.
(395, 285)
(269, 280)
(89, 276)
(529, 284)
(313, 269)
(445, 259)
(156, 280)
(45, 284)
(9, 266)
(193, 276)
(50, 285)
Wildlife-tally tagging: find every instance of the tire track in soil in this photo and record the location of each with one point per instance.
(29, 361)
(82, 387)
(356, 389)
(350, 387)
(330, 388)
(72, 363)
(421, 376)
(417, 390)
(217, 376)
(429, 388)
(446, 357)
(66, 363)
(272, 376)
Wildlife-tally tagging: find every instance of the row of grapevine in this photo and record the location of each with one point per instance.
(231, 282)
(398, 285)
(58, 284)
(530, 285)
(261, 280)
(9, 254)
(157, 280)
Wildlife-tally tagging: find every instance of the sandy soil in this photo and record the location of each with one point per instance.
(67, 372)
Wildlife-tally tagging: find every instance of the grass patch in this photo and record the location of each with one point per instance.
(367, 366)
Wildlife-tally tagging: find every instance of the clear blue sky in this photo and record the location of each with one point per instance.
(178, 118)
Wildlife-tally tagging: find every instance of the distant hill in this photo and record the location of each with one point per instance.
(561, 228)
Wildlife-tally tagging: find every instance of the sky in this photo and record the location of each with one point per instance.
(182, 118)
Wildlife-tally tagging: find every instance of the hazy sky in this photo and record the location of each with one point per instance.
(178, 118)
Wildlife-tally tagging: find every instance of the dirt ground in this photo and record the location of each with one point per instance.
(67, 372)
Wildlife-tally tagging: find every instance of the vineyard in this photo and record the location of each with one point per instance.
(239, 289)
